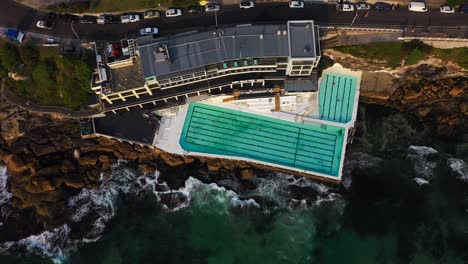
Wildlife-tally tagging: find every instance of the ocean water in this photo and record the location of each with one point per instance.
(404, 199)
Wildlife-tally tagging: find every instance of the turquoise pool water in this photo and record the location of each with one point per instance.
(336, 95)
(222, 131)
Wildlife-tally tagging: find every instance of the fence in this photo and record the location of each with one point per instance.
(434, 39)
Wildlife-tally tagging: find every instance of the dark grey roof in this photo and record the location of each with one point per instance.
(196, 49)
(302, 85)
(302, 39)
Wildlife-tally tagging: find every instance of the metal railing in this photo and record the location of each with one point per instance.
(361, 29)
(434, 39)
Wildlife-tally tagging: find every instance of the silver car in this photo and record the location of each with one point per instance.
(363, 6)
(212, 7)
(149, 31)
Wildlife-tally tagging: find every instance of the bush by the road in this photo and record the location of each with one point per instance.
(52, 79)
(9, 55)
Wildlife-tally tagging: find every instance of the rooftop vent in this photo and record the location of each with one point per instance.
(307, 49)
(284, 32)
(261, 36)
(162, 54)
(278, 32)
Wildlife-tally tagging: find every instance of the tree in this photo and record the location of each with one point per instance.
(30, 57)
(9, 56)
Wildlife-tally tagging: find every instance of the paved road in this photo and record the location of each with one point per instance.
(18, 16)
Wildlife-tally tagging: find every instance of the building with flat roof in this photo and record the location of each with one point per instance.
(285, 52)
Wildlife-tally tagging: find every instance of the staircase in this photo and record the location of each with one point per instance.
(330, 42)
(132, 48)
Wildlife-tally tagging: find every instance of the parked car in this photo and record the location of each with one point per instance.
(173, 12)
(296, 4)
(130, 18)
(149, 31)
(383, 6)
(447, 9)
(88, 20)
(246, 4)
(195, 9)
(212, 7)
(347, 7)
(45, 25)
(15, 35)
(116, 50)
(417, 7)
(363, 6)
(464, 9)
(69, 18)
(105, 19)
(151, 14)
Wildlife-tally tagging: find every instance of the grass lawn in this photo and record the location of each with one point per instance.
(124, 5)
(393, 53)
(52, 79)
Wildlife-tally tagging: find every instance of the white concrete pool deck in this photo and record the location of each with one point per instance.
(298, 108)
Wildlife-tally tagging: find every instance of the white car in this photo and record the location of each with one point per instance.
(447, 9)
(149, 31)
(296, 4)
(173, 12)
(212, 8)
(363, 6)
(129, 18)
(345, 8)
(246, 4)
(43, 24)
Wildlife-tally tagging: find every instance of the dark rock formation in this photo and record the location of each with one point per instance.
(48, 162)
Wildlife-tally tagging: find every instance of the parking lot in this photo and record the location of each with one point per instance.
(14, 15)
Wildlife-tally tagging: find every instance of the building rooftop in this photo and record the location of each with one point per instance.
(302, 39)
(196, 49)
(127, 77)
(217, 130)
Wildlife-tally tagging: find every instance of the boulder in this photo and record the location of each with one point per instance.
(126, 150)
(146, 168)
(247, 174)
(106, 142)
(456, 91)
(423, 111)
(16, 165)
(49, 171)
(30, 199)
(40, 185)
(67, 166)
(41, 150)
(411, 95)
(106, 166)
(73, 181)
(464, 108)
(88, 161)
(171, 160)
(104, 159)
(10, 129)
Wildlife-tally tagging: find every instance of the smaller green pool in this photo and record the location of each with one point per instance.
(217, 130)
(336, 95)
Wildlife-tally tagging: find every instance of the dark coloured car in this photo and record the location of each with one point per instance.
(464, 9)
(69, 18)
(195, 9)
(383, 6)
(88, 20)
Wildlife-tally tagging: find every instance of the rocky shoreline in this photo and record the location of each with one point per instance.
(48, 162)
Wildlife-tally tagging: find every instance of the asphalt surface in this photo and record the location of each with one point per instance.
(15, 15)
